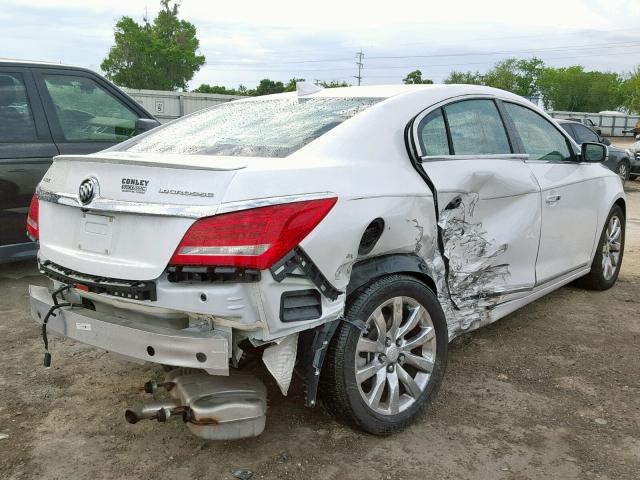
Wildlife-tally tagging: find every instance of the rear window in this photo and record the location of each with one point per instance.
(262, 128)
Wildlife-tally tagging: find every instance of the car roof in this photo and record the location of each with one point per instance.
(424, 93)
(13, 62)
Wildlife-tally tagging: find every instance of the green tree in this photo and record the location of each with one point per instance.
(334, 84)
(267, 87)
(573, 89)
(415, 77)
(161, 55)
(630, 91)
(469, 78)
(517, 76)
(206, 88)
(291, 85)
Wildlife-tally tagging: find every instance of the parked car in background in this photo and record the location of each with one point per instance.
(634, 151)
(619, 160)
(589, 123)
(47, 110)
(347, 234)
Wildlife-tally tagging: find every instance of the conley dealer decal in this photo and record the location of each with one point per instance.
(134, 185)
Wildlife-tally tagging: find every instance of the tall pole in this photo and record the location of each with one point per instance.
(359, 56)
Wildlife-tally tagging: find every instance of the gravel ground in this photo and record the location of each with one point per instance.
(551, 391)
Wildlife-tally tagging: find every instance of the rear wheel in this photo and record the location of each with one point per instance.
(381, 378)
(608, 258)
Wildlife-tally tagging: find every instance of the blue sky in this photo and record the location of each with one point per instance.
(286, 39)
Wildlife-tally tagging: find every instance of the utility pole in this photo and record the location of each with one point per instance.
(359, 56)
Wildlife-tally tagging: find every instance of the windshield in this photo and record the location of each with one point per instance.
(262, 128)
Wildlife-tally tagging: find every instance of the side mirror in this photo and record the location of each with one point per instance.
(605, 141)
(145, 124)
(594, 152)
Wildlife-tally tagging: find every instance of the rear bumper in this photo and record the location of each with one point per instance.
(138, 340)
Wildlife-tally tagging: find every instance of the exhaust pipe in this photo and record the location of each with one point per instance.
(160, 411)
(213, 408)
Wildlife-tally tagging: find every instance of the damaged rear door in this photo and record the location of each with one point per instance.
(488, 204)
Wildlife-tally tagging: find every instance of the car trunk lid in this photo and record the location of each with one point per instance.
(142, 206)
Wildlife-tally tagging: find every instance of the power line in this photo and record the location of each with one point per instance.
(456, 54)
(414, 66)
(509, 52)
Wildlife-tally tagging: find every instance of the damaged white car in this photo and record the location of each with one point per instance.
(345, 235)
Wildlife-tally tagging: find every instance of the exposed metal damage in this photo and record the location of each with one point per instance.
(468, 286)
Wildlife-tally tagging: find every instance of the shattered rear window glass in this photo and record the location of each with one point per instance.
(261, 128)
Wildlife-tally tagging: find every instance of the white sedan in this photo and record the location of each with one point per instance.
(347, 233)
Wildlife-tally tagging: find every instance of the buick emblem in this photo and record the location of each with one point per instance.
(88, 190)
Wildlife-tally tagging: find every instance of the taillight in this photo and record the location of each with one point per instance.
(255, 238)
(32, 219)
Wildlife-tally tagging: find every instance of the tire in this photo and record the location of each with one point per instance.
(633, 176)
(340, 391)
(623, 171)
(600, 277)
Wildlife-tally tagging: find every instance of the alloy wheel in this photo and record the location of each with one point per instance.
(622, 172)
(611, 247)
(395, 355)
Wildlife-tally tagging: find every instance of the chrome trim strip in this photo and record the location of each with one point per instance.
(168, 209)
(268, 201)
(121, 206)
(501, 292)
(499, 156)
(541, 283)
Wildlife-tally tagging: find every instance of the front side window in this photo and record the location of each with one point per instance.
(476, 128)
(584, 134)
(541, 140)
(260, 128)
(16, 119)
(432, 134)
(88, 112)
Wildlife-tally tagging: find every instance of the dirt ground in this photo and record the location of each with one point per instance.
(551, 391)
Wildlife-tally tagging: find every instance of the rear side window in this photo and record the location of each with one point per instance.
(541, 139)
(258, 128)
(476, 128)
(433, 134)
(88, 112)
(16, 119)
(584, 134)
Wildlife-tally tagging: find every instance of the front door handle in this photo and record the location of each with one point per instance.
(553, 198)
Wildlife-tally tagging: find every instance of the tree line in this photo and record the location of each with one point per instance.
(561, 88)
(163, 55)
(265, 87)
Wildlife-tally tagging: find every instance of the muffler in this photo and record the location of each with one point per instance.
(214, 408)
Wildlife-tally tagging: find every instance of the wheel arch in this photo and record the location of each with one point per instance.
(367, 271)
(620, 201)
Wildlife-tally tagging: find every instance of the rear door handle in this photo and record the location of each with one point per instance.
(553, 198)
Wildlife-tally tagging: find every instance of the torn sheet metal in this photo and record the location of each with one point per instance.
(474, 270)
(280, 360)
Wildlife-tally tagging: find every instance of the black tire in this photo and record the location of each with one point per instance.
(633, 176)
(339, 390)
(623, 166)
(596, 279)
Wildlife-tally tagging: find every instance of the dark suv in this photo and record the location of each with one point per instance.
(47, 110)
(619, 160)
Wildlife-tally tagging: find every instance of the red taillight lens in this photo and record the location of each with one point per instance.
(255, 238)
(32, 219)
